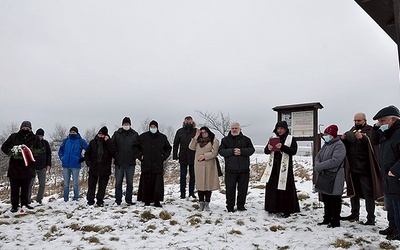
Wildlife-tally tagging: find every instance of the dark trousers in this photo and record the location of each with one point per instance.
(19, 188)
(184, 170)
(332, 208)
(363, 187)
(241, 181)
(92, 183)
(204, 195)
(394, 221)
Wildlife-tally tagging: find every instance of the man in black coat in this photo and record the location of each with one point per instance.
(364, 171)
(21, 172)
(125, 160)
(42, 165)
(386, 134)
(186, 156)
(98, 158)
(236, 149)
(154, 149)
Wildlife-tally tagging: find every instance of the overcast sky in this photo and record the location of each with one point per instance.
(87, 63)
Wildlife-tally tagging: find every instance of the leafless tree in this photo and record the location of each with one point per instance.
(59, 134)
(13, 128)
(219, 122)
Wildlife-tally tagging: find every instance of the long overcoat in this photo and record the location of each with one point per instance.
(206, 173)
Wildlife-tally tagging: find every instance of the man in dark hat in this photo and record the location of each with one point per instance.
(154, 149)
(20, 171)
(125, 160)
(98, 157)
(386, 134)
(70, 153)
(42, 165)
(182, 139)
(363, 176)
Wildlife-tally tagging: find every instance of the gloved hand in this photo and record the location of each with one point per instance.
(82, 159)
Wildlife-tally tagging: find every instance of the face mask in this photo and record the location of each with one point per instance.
(359, 126)
(384, 127)
(327, 138)
(153, 130)
(24, 131)
(188, 125)
(126, 127)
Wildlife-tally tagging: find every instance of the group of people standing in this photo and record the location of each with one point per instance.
(366, 157)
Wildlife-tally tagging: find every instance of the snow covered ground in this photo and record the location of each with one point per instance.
(179, 225)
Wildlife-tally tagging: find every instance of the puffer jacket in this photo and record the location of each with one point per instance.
(236, 163)
(125, 141)
(389, 142)
(70, 151)
(331, 157)
(17, 168)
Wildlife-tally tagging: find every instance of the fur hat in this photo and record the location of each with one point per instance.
(40, 131)
(73, 128)
(103, 130)
(26, 124)
(153, 123)
(126, 120)
(331, 130)
(387, 111)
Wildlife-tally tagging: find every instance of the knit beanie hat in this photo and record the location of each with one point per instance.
(331, 130)
(153, 123)
(103, 130)
(40, 131)
(126, 120)
(387, 111)
(73, 128)
(26, 124)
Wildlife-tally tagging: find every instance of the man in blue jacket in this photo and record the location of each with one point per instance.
(70, 153)
(236, 149)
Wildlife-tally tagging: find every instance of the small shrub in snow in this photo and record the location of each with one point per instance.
(4, 223)
(283, 248)
(146, 216)
(240, 222)
(114, 239)
(303, 197)
(194, 221)
(361, 240)
(386, 245)
(74, 227)
(218, 221)
(93, 239)
(342, 243)
(165, 215)
(276, 228)
(233, 231)
(69, 216)
(173, 222)
(53, 229)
